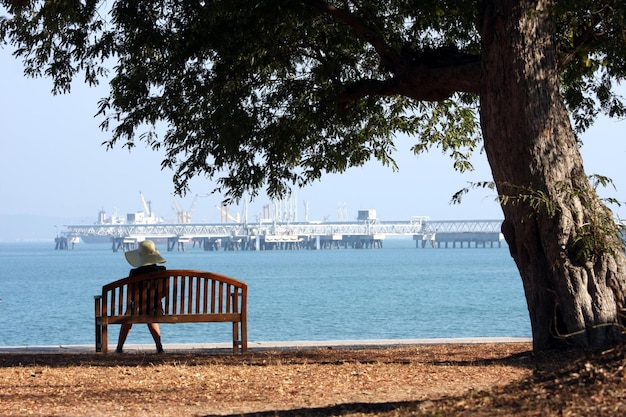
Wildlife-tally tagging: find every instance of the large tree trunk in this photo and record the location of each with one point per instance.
(561, 236)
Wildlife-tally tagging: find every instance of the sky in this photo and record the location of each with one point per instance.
(53, 166)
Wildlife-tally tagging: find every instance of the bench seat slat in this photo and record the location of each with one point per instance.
(179, 318)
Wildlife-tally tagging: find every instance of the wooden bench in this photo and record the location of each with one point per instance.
(173, 296)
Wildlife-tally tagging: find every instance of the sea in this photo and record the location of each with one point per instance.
(394, 292)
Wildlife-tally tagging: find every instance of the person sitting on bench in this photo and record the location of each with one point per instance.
(145, 259)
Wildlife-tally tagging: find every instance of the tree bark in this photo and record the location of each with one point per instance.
(561, 236)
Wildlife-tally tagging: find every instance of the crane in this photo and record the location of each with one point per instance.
(185, 216)
(180, 214)
(192, 208)
(225, 216)
(146, 205)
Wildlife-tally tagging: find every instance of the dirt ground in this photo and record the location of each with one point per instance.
(502, 379)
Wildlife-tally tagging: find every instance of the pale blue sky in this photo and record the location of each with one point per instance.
(52, 164)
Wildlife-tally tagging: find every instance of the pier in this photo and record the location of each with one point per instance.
(368, 233)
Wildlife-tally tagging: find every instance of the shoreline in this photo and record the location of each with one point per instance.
(263, 345)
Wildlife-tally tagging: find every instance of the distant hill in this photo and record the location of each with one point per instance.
(33, 228)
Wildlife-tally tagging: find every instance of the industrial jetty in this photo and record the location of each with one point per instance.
(367, 231)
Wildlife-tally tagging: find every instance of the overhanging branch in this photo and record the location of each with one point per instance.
(363, 31)
(422, 82)
(426, 75)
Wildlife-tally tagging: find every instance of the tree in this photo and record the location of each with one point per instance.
(276, 93)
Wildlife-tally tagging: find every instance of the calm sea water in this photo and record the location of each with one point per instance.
(397, 292)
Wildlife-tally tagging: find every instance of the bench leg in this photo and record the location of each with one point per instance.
(240, 338)
(236, 341)
(105, 337)
(102, 332)
(98, 334)
(244, 336)
(98, 308)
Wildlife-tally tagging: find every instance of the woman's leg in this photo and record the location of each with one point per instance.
(156, 335)
(122, 338)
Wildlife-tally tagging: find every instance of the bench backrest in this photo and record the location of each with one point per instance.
(176, 293)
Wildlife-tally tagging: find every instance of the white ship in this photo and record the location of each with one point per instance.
(104, 219)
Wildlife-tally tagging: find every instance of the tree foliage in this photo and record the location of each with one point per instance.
(276, 93)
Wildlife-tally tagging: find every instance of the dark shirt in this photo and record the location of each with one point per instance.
(159, 290)
(145, 269)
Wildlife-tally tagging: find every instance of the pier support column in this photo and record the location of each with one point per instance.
(61, 243)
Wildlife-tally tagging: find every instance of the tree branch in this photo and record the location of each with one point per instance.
(362, 30)
(429, 75)
(426, 80)
(588, 37)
